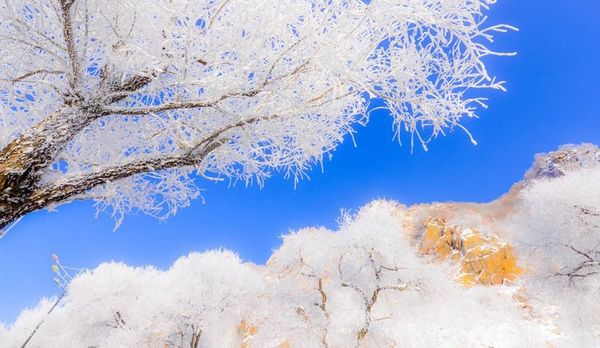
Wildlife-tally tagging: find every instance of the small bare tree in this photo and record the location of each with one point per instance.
(124, 102)
(373, 270)
(587, 263)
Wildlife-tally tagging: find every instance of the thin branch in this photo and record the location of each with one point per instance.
(71, 186)
(42, 321)
(570, 246)
(167, 107)
(210, 103)
(69, 37)
(132, 84)
(196, 334)
(48, 39)
(582, 269)
(323, 307)
(323, 304)
(212, 19)
(37, 72)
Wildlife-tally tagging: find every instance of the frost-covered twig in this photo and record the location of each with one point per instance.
(63, 280)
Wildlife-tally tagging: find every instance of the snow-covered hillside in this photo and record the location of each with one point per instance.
(522, 271)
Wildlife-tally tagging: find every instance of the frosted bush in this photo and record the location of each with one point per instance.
(558, 232)
(363, 285)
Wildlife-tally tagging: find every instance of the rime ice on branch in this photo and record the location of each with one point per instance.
(123, 101)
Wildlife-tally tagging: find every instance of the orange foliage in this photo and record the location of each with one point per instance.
(483, 260)
(247, 331)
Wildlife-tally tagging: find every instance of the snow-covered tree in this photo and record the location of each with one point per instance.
(126, 102)
(557, 229)
(362, 286)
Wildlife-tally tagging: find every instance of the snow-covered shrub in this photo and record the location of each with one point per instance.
(364, 285)
(557, 231)
(200, 298)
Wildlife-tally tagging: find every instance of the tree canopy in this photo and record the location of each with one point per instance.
(127, 102)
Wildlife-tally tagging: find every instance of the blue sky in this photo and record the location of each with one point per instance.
(553, 98)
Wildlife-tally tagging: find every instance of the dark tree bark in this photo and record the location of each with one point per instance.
(25, 159)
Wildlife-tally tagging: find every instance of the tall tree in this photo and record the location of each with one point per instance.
(125, 102)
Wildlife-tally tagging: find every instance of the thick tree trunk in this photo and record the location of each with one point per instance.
(23, 161)
(20, 165)
(27, 195)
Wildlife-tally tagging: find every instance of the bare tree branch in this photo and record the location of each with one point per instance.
(37, 72)
(74, 185)
(582, 270)
(69, 38)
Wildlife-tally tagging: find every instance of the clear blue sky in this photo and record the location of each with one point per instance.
(553, 98)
